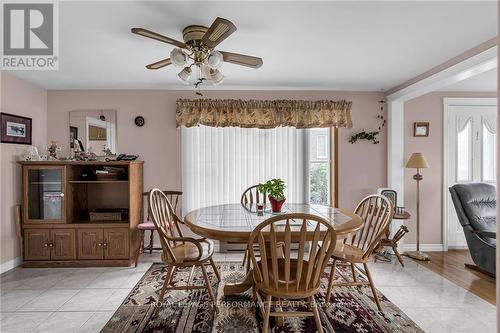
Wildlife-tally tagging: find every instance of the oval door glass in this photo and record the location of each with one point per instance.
(489, 160)
(463, 152)
(45, 194)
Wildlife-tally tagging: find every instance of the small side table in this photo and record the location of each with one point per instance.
(393, 242)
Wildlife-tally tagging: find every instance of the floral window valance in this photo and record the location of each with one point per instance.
(263, 114)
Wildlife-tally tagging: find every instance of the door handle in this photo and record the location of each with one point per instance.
(61, 195)
(99, 244)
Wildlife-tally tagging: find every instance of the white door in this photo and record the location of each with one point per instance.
(471, 132)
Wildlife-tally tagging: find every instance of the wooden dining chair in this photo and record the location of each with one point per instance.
(147, 225)
(376, 212)
(252, 196)
(180, 251)
(287, 278)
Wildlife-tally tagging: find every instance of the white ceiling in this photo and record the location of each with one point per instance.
(369, 46)
(486, 81)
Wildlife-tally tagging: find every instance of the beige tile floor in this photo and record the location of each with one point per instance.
(83, 299)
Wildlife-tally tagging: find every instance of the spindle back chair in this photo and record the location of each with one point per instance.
(290, 277)
(376, 211)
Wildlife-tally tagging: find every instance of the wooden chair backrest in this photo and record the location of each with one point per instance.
(163, 216)
(175, 198)
(252, 196)
(376, 211)
(307, 272)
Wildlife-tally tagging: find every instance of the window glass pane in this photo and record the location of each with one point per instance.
(489, 160)
(319, 174)
(319, 166)
(321, 147)
(463, 152)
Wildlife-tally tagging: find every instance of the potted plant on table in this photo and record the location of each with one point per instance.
(275, 189)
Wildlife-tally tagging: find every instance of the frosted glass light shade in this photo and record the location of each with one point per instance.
(178, 58)
(214, 59)
(417, 161)
(185, 74)
(213, 75)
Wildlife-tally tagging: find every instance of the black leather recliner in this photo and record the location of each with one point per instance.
(475, 204)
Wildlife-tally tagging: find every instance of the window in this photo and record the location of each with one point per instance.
(218, 164)
(319, 166)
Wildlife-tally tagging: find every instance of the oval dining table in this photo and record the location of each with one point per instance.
(233, 222)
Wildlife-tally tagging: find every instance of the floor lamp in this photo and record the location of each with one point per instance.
(417, 161)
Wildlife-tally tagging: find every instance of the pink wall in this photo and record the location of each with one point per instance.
(428, 108)
(362, 166)
(24, 99)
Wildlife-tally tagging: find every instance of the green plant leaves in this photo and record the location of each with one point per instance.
(274, 188)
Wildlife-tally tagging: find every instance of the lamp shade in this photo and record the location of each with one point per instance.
(417, 161)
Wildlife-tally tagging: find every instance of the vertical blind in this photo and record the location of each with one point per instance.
(219, 163)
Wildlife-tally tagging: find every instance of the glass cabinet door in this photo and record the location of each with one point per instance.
(44, 194)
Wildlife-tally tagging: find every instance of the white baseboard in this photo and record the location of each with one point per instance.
(8, 265)
(423, 247)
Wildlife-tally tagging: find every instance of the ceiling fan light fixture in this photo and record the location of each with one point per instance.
(214, 59)
(178, 58)
(185, 74)
(217, 78)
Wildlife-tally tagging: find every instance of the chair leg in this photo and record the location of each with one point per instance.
(151, 236)
(141, 245)
(317, 319)
(209, 288)
(216, 271)
(172, 275)
(353, 270)
(138, 253)
(267, 313)
(245, 256)
(396, 252)
(372, 286)
(164, 289)
(330, 281)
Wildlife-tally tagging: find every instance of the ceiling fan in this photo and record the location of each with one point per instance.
(197, 55)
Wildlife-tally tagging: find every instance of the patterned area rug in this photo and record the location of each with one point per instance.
(352, 309)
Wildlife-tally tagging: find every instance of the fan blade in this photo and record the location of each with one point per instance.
(241, 59)
(159, 64)
(218, 31)
(156, 36)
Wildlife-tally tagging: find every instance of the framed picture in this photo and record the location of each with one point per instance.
(73, 134)
(421, 129)
(15, 129)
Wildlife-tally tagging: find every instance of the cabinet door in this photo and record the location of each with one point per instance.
(44, 188)
(36, 244)
(116, 243)
(90, 245)
(63, 244)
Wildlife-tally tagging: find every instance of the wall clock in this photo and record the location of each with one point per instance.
(139, 121)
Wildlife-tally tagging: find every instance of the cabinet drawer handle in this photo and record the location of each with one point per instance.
(105, 244)
(61, 195)
(100, 244)
(46, 244)
(51, 244)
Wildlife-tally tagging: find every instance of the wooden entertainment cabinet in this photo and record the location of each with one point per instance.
(56, 224)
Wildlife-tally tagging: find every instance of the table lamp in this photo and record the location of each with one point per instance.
(417, 161)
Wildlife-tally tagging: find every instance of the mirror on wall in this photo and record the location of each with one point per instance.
(93, 131)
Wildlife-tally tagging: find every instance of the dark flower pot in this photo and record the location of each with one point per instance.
(276, 204)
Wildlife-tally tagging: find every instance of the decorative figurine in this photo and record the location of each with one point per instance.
(31, 154)
(53, 149)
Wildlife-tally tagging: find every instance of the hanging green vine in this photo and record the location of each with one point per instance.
(373, 135)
